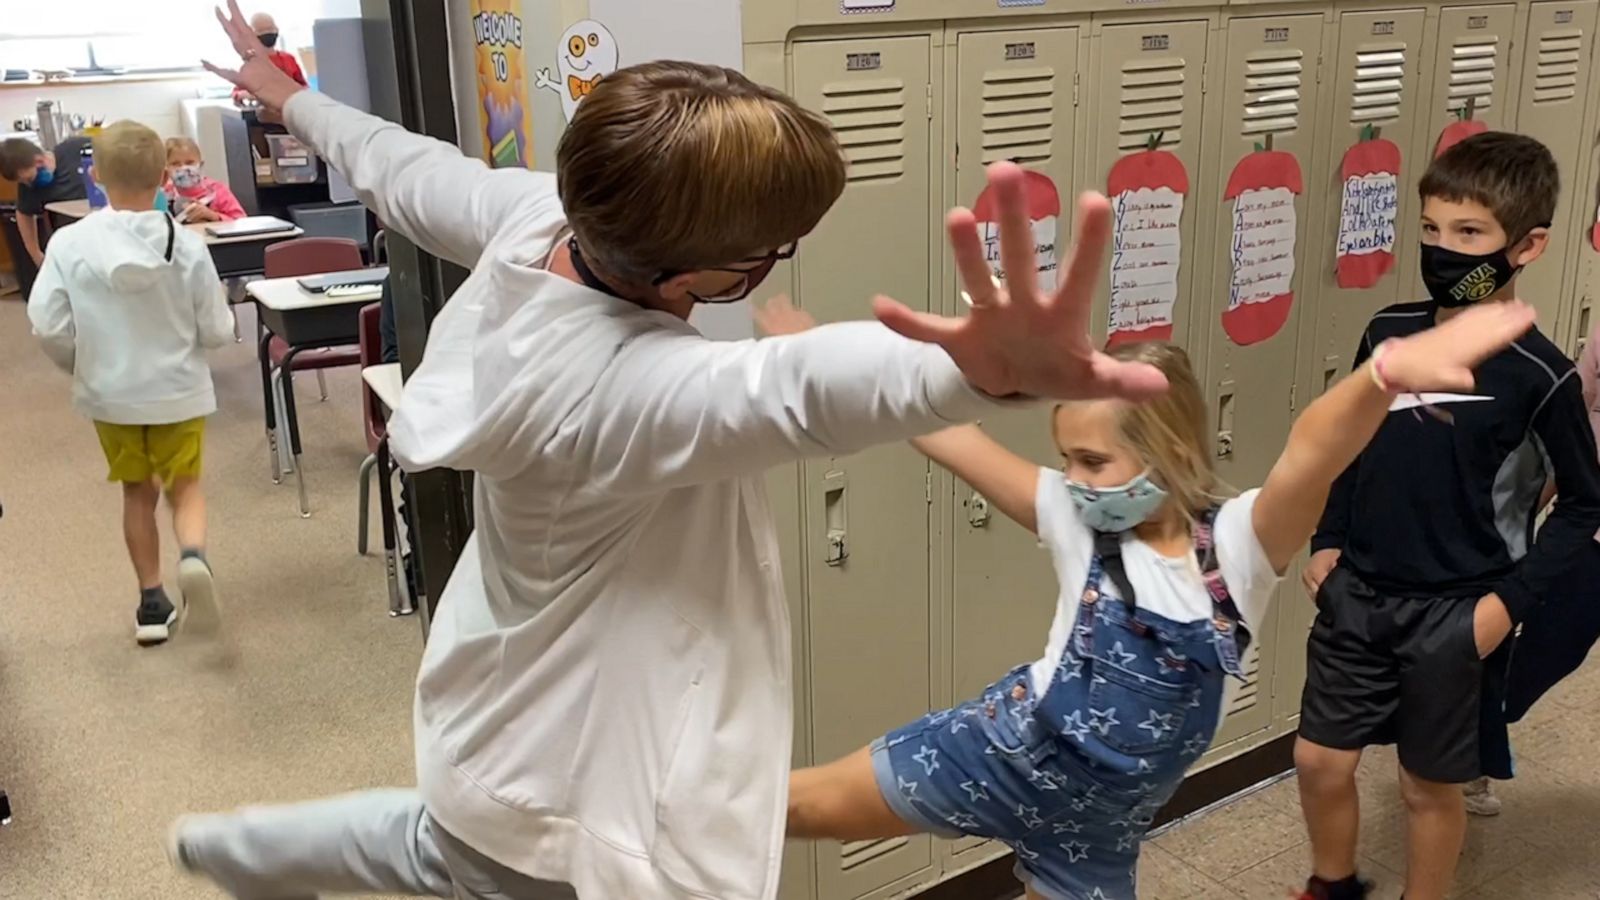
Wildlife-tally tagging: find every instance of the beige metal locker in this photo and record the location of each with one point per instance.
(1015, 97)
(1147, 79)
(1472, 63)
(1270, 88)
(1376, 79)
(866, 516)
(1015, 101)
(1557, 72)
(1472, 53)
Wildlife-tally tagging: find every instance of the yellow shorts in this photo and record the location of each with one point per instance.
(138, 453)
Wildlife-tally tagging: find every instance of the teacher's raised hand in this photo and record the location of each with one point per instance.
(257, 75)
(1018, 339)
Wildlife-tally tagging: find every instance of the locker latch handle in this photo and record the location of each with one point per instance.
(1225, 425)
(833, 517)
(978, 510)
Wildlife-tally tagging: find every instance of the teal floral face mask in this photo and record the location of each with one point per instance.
(1115, 509)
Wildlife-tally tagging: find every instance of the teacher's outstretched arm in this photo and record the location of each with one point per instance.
(425, 189)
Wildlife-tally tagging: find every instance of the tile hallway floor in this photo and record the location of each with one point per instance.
(1545, 845)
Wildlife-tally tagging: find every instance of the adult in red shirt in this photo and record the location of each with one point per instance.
(267, 30)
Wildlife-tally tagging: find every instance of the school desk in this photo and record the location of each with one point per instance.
(234, 257)
(384, 380)
(304, 321)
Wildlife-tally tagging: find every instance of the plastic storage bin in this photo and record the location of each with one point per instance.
(292, 162)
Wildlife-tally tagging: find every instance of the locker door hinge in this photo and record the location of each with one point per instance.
(1292, 387)
(927, 94)
(1204, 69)
(1075, 80)
(927, 488)
(1319, 68)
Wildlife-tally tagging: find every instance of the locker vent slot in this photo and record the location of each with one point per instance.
(1472, 72)
(870, 117)
(1018, 115)
(856, 853)
(1379, 86)
(1556, 80)
(1151, 102)
(1272, 91)
(1249, 691)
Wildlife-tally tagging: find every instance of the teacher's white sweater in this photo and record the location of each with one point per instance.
(605, 696)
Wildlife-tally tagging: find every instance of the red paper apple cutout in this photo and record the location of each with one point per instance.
(1148, 170)
(1259, 186)
(1044, 210)
(1358, 265)
(1463, 127)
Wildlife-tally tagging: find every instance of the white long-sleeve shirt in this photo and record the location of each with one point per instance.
(128, 304)
(605, 698)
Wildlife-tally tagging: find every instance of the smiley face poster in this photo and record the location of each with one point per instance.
(503, 114)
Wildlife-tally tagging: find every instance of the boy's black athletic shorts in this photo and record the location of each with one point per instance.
(1382, 669)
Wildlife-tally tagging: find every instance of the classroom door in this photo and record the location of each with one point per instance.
(1146, 93)
(866, 516)
(1258, 236)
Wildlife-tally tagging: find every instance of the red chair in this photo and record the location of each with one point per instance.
(294, 259)
(376, 428)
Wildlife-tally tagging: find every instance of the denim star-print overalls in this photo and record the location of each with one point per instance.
(1073, 780)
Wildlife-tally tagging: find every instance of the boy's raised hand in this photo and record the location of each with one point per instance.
(1442, 358)
(1019, 340)
(258, 76)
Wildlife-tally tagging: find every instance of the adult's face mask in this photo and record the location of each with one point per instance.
(742, 288)
(269, 39)
(1458, 279)
(1119, 508)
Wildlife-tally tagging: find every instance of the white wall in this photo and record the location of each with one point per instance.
(156, 103)
(706, 31)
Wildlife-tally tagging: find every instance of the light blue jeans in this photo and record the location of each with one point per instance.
(380, 841)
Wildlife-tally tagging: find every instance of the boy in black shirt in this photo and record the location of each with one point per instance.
(1422, 571)
(42, 178)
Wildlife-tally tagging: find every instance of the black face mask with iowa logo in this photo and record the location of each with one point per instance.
(1461, 279)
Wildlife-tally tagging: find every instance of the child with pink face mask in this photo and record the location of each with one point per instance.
(197, 198)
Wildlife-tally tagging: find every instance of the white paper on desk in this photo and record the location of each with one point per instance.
(1408, 401)
(1263, 246)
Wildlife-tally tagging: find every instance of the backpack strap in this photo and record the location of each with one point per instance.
(1108, 546)
(1205, 549)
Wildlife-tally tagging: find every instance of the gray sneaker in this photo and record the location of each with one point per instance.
(203, 617)
(1481, 799)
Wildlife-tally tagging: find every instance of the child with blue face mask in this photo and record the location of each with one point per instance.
(42, 177)
(1163, 587)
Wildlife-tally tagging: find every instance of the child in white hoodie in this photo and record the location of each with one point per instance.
(128, 302)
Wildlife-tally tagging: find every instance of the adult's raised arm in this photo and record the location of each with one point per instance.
(425, 189)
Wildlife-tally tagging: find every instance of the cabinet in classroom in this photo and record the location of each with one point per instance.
(247, 141)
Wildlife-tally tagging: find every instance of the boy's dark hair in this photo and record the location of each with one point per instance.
(1513, 175)
(17, 154)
